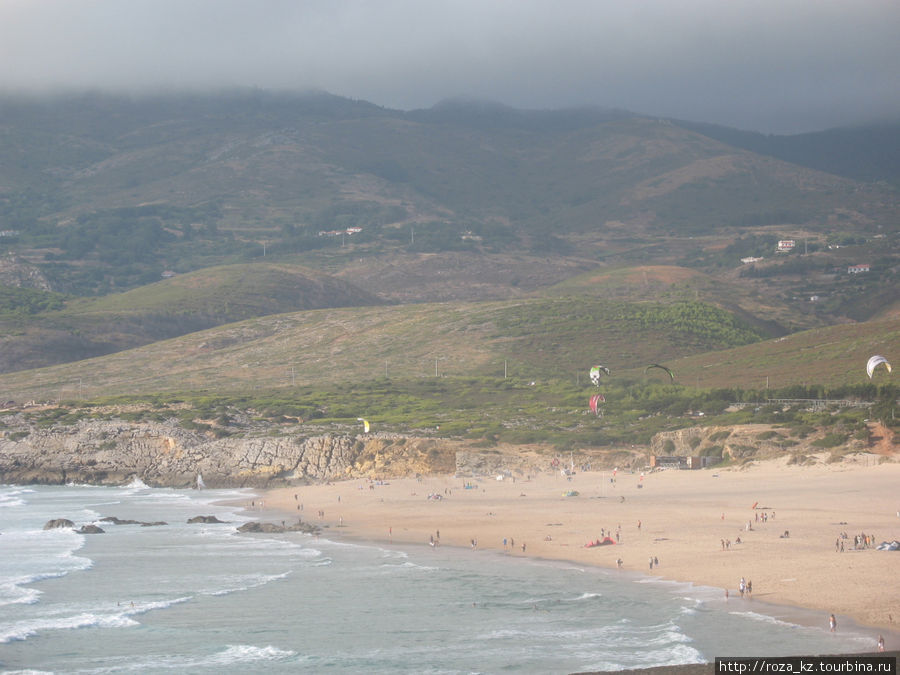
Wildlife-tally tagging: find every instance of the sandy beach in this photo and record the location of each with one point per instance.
(701, 526)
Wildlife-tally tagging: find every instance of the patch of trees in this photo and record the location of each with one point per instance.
(26, 301)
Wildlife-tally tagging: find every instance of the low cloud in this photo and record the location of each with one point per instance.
(779, 66)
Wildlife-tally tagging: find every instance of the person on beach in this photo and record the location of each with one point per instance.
(881, 643)
(832, 623)
(742, 586)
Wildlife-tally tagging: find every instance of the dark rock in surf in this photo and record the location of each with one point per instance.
(90, 529)
(204, 519)
(58, 523)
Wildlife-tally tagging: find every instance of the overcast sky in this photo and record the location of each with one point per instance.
(779, 66)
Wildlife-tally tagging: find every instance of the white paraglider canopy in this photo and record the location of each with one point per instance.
(876, 361)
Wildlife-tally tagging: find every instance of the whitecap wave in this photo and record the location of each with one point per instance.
(407, 565)
(587, 596)
(674, 656)
(250, 654)
(245, 583)
(144, 607)
(22, 630)
(9, 501)
(764, 618)
(11, 593)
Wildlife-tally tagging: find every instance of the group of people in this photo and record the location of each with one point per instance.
(746, 586)
(860, 541)
(509, 544)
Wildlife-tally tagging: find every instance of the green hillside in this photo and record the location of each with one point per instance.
(469, 238)
(531, 339)
(182, 304)
(512, 371)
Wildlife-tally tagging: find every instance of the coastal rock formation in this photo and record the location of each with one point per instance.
(741, 442)
(161, 454)
(204, 519)
(475, 463)
(90, 529)
(120, 521)
(58, 523)
(269, 528)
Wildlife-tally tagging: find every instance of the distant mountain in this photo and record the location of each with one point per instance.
(467, 201)
(866, 153)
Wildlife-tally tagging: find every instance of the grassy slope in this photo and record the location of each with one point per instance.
(533, 339)
(233, 292)
(831, 356)
(183, 304)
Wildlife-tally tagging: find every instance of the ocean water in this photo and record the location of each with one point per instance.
(207, 599)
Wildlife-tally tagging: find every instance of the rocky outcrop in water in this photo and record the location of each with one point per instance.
(204, 519)
(268, 528)
(58, 523)
(90, 529)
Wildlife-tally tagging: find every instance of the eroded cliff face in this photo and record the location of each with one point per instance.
(760, 441)
(159, 454)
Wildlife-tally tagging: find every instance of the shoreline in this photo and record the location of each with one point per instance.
(679, 517)
(787, 613)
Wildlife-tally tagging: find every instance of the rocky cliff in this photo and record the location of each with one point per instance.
(159, 454)
(741, 442)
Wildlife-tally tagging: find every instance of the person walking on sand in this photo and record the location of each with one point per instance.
(832, 623)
